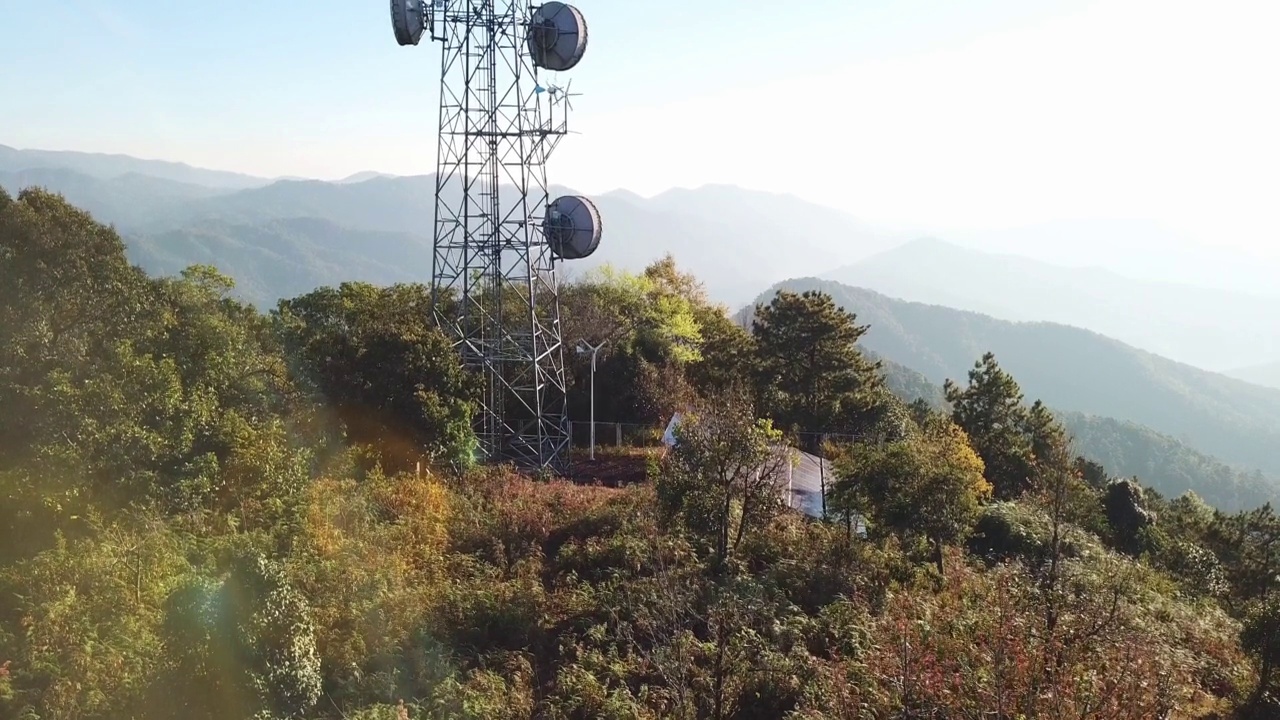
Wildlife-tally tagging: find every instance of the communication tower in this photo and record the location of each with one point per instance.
(497, 233)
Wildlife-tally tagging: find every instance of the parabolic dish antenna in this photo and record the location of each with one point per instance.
(557, 36)
(572, 227)
(409, 18)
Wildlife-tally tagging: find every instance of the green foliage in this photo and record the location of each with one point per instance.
(389, 374)
(81, 622)
(185, 533)
(245, 643)
(1139, 400)
(725, 476)
(133, 391)
(1126, 514)
(728, 355)
(652, 324)
(1008, 530)
(1249, 545)
(928, 484)
(1261, 637)
(812, 374)
(991, 411)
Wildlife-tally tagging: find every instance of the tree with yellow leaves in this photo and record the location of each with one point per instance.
(927, 485)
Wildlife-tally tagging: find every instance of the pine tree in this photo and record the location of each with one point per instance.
(990, 410)
(812, 376)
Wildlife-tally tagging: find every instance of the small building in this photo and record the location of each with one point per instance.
(806, 474)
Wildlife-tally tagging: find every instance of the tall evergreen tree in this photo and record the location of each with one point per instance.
(990, 410)
(812, 375)
(728, 354)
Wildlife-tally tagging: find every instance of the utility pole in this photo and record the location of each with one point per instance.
(583, 348)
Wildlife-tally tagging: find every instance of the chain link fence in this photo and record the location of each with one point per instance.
(644, 435)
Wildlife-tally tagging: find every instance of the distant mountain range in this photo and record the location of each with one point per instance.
(279, 238)
(1133, 247)
(736, 240)
(1073, 370)
(107, 167)
(1214, 329)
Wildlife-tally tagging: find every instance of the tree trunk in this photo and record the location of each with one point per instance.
(722, 539)
(718, 689)
(1264, 683)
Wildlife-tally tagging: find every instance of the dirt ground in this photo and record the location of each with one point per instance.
(612, 467)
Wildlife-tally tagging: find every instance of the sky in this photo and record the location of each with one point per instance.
(960, 117)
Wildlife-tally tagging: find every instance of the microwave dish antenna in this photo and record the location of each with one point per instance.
(497, 236)
(572, 227)
(409, 20)
(557, 36)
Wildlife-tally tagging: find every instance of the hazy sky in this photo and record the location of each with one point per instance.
(961, 115)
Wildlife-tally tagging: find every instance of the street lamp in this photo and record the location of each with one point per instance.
(583, 349)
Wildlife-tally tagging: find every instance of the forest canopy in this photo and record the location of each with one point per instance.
(207, 511)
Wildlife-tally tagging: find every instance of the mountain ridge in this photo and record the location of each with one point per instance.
(1206, 327)
(734, 253)
(109, 165)
(737, 241)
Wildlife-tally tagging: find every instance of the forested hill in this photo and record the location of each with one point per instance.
(1075, 370)
(1127, 449)
(209, 512)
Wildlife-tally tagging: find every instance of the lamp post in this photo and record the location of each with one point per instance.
(583, 349)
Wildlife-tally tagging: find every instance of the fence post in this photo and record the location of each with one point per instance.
(618, 428)
(570, 423)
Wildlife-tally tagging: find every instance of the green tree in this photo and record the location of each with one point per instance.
(67, 297)
(380, 363)
(928, 485)
(812, 375)
(991, 412)
(650, 323)
(725, 476)
(122, 390)
(1261, 637)
(243, 644)
(81, 622)
(727, 355)
(1127, 514)
(1248, 544)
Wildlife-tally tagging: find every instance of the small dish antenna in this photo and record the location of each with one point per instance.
(557, 36)
(409, 19)
(572, 227)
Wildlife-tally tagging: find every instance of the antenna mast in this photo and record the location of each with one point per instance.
(497, 234)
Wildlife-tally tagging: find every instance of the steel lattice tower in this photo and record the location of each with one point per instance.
(494, 285)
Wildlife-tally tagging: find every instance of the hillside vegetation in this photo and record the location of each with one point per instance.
(1128, 449)
(1075, 370)
(212, 512)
